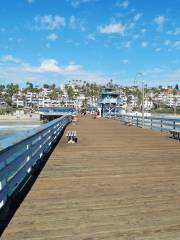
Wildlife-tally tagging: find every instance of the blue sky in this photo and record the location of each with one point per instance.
(54, 41)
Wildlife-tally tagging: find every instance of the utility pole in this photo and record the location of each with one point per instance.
(143, 104)
(140, 75)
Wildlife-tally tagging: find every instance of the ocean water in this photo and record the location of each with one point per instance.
(166, 116)
(8, 129)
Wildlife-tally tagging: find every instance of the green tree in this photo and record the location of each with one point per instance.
(46, 85)
(11, 89)
(54, 94)
(2, 87)
(62, 103)
(84, 103)
(177, 87)
(70, 91)
(53, 86)
(29, 87)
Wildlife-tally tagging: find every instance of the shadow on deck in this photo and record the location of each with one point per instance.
(12, 205)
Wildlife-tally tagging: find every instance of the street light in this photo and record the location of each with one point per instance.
(139, 74)
(143, 104)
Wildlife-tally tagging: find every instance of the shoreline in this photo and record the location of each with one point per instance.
(20, 118)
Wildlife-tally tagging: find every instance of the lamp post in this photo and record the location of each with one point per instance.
(140, 75)
(143, 104)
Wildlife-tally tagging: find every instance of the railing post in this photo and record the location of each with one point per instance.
(174, 124)
(6, 183)
(137, 122)
(161, 125)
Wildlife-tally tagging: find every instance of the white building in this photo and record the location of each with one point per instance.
(31, 99)
(148, 103)
(172, 100)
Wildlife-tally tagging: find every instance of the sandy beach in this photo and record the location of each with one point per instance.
(20, 117)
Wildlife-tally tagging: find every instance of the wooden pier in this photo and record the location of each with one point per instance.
(117, 182)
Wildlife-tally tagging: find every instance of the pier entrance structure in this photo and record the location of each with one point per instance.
(116, 183)
(51, 113)
(109, 101)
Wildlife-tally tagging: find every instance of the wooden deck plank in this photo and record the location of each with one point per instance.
(117, 182)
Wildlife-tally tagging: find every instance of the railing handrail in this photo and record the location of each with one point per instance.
(149, 117)
(163, 124)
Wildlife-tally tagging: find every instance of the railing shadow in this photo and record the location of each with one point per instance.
(13, 203)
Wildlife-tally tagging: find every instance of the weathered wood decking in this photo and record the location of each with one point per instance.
(117, 182)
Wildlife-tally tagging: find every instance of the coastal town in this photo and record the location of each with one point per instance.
(79, 94)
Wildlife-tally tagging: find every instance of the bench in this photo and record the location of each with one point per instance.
(71, 136)
(175, 134)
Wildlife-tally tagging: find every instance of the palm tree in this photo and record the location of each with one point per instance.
(2, 87)
(46, 85)
(53, 94)
(30, 86)
(70, 91)
(11, 89)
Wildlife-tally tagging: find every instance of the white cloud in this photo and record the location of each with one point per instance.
(49, 70)
(130, 25)
(82, 26)
(91, 36)
(137, 17)
(158, 49)
(76, 23)
(77, 3)
(72, 67)
(143, 30)
(72, 22)
(52, 66)
(123, 4)
(160, 21)
(125, 61)
(52, 37)
(167, 42)
(30, 1)
(177, 44)
(9, 58)
(136, 36)
(112, 28)
(175, 32)
(48, 65)
(163, 76)
(144, 44)
(126, 45)
(50, 22)
(155, 70)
